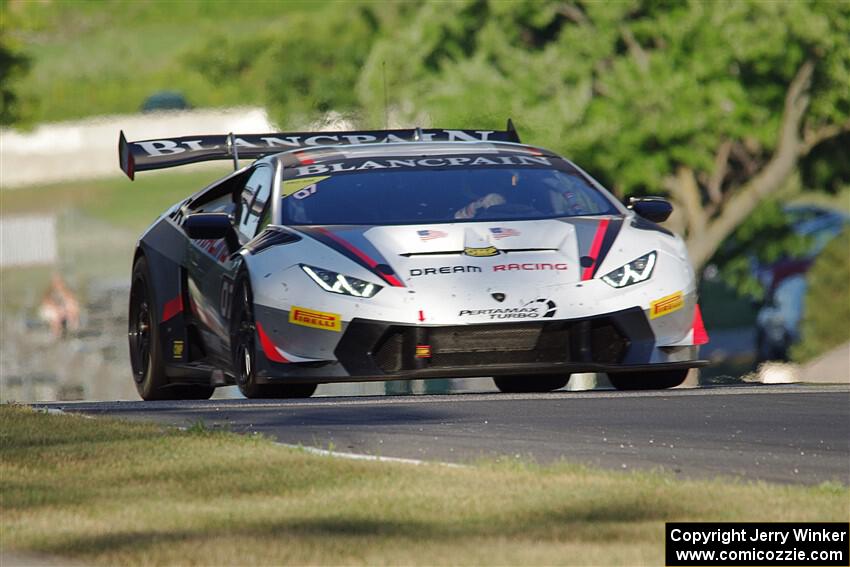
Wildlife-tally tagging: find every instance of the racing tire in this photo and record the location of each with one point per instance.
(146, 358)
(243, 338)
(648, 380)
(530, 384)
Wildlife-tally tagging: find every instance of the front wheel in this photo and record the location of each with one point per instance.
(243, 339)
(530, 384)
(648, 380)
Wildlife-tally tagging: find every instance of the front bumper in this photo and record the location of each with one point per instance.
(371, 350)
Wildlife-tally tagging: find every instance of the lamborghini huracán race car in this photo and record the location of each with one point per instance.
(402, 254)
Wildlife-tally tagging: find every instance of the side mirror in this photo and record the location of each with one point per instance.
(207, 225)
(656, 209)
(213, 226)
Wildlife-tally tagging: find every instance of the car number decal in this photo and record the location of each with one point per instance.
(301, 188)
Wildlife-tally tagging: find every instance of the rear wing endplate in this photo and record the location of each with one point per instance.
(171, 152)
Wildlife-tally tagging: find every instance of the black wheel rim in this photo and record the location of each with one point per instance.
(245, 340)
(140, 331)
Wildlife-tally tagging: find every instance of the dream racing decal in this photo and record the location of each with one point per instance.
(443, 270)
(528, 267)
(666, 305)
(481, 252)
(315, 319)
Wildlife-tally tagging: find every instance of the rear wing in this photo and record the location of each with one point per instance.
(171, 152)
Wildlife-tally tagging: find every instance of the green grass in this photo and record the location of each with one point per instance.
(126, 204)
(99, 222)
(106, 57)
(106, 492)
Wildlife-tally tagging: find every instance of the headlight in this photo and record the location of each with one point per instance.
(338, 283)
(634, 272)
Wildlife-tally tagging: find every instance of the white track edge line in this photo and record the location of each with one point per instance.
(59, 411)
(305, 448)
(366, 457)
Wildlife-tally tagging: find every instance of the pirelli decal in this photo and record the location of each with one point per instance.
(666, 305)
(316, 319)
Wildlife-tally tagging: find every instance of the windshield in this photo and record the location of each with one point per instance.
(440, 195)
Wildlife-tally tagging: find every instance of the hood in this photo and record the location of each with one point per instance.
(421, 257)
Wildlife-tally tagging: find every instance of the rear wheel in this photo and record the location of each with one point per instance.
(244, 350)
(527, 384)
(648, 380)
(146, 357)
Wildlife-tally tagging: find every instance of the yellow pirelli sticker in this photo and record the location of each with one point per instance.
(666, 305)
(315, 319)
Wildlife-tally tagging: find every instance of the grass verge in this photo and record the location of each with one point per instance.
(104, 216)
(132, 205)
(108, 492)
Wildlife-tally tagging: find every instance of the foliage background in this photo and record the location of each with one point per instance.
(641, 93)
(827, 313)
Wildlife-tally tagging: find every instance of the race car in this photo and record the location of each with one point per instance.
(398, 255)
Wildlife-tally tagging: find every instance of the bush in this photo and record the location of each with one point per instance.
(13, 66)
(827, 304)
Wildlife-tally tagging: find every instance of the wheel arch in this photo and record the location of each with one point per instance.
(167, 283)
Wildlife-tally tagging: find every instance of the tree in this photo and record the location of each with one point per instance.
(306, 68)
(713, 103)
(827, 305)
(13, 65)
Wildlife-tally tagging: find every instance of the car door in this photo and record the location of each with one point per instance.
(213, 266)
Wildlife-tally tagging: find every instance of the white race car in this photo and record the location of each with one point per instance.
(402, 254)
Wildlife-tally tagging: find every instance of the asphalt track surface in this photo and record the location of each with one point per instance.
(787, 434)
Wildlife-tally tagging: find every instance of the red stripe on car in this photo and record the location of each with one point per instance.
(172, 308)
(304, 159)
(587, 273)
(700, 334)
(269, 349)
(389, 278)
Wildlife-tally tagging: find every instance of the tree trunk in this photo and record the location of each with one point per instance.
(704, 238)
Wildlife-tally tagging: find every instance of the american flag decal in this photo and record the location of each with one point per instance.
(430, 234)
(503, 232)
